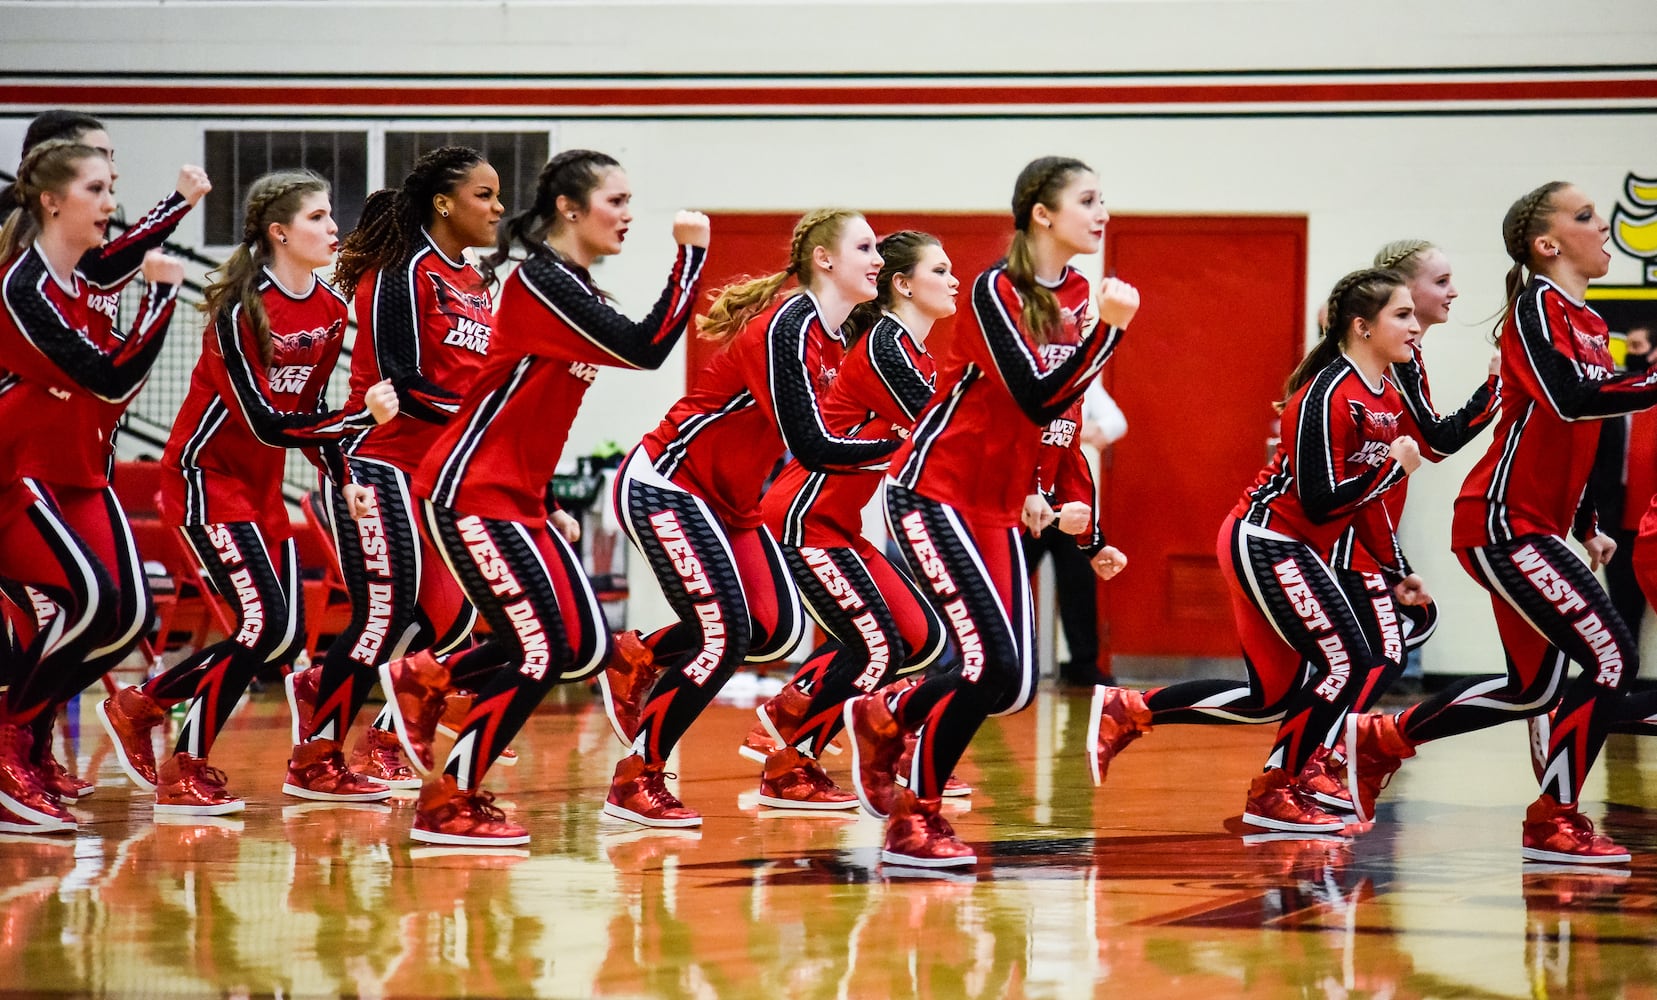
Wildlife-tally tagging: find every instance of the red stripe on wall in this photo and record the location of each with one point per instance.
(107, 95)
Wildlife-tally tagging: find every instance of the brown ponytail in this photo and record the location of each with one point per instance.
(1040, 182)
(735, 304)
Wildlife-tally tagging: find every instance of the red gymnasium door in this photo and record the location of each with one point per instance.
(1221, 326)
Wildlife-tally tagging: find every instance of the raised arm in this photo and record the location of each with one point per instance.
(62, 350)
(1540, 320)
(1444, 435)
(603, 335)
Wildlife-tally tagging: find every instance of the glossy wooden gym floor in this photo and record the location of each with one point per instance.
(1144, 888)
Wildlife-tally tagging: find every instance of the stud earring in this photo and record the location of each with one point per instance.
(284, 241)
(54, 213)
(829, 266)
(443, 212)
(571, 216)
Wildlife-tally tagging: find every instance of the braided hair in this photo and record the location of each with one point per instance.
(735, 304)
(50, 166)
(900, 253)
(1525, 220)
(1039, 183)
(389, 230)
(1359, 295)
(273, 198)
(1403, 256)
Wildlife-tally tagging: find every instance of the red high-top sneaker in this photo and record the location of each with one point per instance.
(1117, 717)
(918, 835)
(625, 682)
(414, 690)
(189, 786)
(129, 716)
(1324, 779)
(1275, 803)
(638, 794)
(1375, 750)
(447, 815)
(1557, 832)
(378, 756)
(794, 781)
(316, 770)
(877, 743)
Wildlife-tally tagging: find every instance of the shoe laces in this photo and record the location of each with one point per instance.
(654, 785)
(211, 775)
(483, 804)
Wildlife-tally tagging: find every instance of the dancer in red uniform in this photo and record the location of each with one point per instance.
(1509, 526)
(1036, 334)
(1348, 440)
(879, 624)
(274, 334)
(689, 498)
(1399, 615)
(424, 323)
(485, 477)
(62, 377)
(94, 512)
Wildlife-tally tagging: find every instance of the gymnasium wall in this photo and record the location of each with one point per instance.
(1373, 121)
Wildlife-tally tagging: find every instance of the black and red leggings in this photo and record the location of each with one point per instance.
(403, 598)
(257, 573)
(1306, 646)
(729, 587)
(1549, 609)
(528, 584)
(973, 574)
(879, 624)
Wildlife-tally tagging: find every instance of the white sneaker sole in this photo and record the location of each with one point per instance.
(610, 709)
(1267, 823)
(1558, 858)
(222, 809)
(894, 858)
(121, 752)
(1352, 767)
(305, 793)
(1095, 708)
(458, 840)
(773, 802)
(618, 812)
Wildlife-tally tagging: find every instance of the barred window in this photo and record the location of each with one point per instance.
(235, 159)
(516, 156)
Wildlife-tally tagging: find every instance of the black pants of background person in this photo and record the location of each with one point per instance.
(1620, 584)
(1075, 588)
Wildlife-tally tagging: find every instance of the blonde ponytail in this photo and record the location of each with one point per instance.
(735, 304)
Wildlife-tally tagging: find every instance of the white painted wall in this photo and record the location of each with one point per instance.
(1360, 181)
